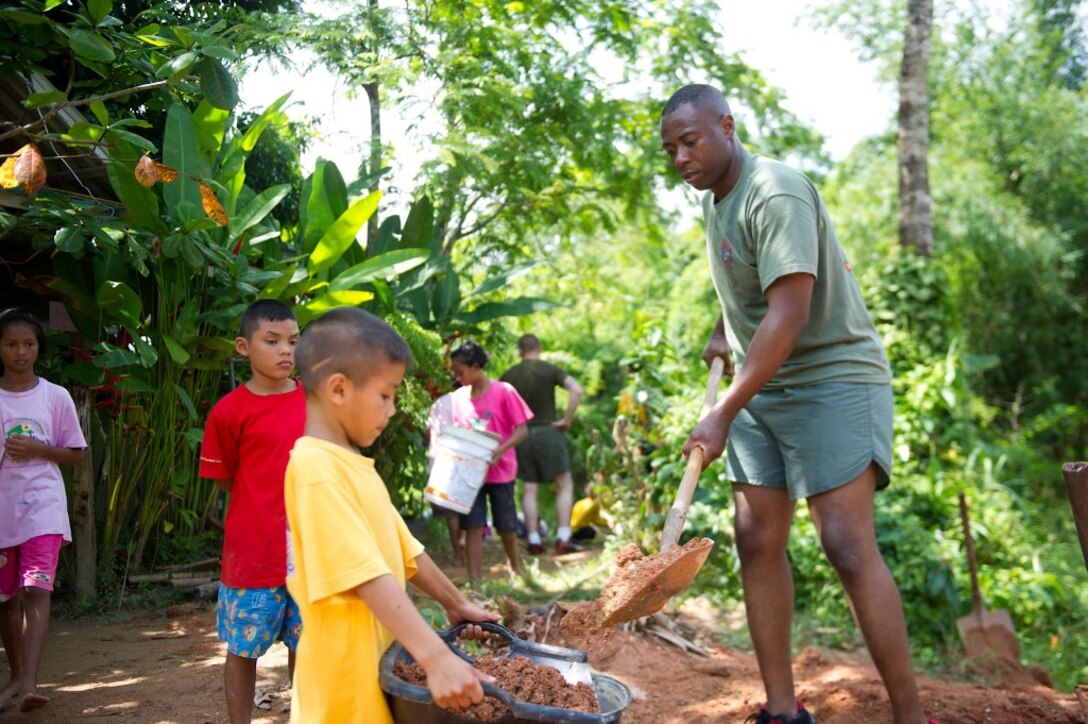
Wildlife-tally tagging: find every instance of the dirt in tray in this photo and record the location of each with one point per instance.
(538, 684)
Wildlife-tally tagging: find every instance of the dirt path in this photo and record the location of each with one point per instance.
(152, 667)
(166, 667)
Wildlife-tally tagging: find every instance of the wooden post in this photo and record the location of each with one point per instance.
(1076, 486)
(83, 501)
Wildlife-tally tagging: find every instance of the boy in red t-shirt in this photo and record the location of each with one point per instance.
(247, 443)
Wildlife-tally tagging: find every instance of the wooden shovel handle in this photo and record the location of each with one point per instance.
(678, 514)
(972, 565)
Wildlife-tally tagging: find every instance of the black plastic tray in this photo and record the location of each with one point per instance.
(413, 704)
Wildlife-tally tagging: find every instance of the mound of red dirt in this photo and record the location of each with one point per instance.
(674, 686)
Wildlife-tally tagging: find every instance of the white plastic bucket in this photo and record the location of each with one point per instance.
(461, 459)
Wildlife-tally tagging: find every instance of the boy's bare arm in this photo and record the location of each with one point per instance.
(430, 579)
(451, 680)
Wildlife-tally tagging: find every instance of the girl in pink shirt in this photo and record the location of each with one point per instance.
(498, 408)
(40, 431)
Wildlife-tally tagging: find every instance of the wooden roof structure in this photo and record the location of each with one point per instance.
(77, 172)
(72, 170)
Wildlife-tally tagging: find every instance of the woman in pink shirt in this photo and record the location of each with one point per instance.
(40, 432)
(498, 408)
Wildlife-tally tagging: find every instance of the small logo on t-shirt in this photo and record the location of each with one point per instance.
(848, 267)
(482, 423)
(23, 427)
(725, 252)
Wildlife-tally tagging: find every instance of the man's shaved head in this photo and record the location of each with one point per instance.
(699, 96)
(698, 132)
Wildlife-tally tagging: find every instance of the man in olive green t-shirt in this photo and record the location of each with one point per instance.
(543, 456)
(808, 413)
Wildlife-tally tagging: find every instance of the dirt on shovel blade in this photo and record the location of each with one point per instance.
(642, 585)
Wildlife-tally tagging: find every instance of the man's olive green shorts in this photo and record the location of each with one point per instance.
(812, 439)
(543, 456)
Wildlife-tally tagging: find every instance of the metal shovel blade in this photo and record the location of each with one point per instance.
(989, 633)
(984, 633)
(643, 586)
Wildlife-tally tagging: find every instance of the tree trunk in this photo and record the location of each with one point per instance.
(83, 503)
(375, 161)
(915, 221)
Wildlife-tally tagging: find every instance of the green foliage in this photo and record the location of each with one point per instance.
(400, 453)
(158, 292)
(530, 135)
(276, 160)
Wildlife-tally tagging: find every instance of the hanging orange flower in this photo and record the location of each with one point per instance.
(30, 169)
(7, 170)
(149, 172)
(212, 207)
(146, 173)
(166, 174)
(24, 168)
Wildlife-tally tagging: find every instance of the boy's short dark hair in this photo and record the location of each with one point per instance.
(17, 315)
(470, 354)
(271, 309)
(348, 341)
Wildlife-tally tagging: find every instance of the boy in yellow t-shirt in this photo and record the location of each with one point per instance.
(349, 552)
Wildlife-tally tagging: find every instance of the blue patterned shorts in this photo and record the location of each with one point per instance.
(252, 619)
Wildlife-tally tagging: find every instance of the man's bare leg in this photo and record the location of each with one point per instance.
(844, 520)
(530, 508)
(564, 503)
(762, 530)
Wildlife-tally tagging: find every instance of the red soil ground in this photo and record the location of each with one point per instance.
(167, 667)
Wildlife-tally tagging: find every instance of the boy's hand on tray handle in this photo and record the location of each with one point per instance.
(454, 682)
(466, 612)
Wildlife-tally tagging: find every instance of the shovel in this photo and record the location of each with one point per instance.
(641, 586)
(984, 633)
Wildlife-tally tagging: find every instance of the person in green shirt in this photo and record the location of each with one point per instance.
(808, 413)
(543, 456)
